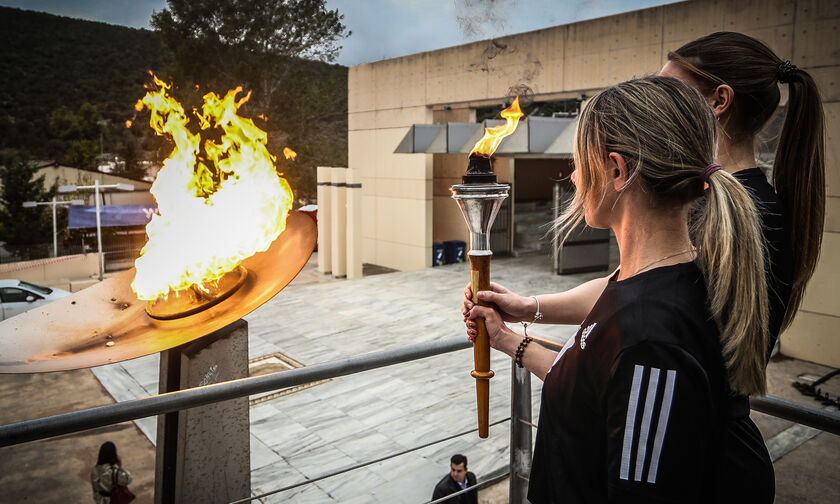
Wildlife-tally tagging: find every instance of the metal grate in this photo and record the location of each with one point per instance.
(272, 363)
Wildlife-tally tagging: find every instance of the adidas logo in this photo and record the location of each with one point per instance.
(584, 334)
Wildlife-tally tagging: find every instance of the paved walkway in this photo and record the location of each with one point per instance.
(361, 417)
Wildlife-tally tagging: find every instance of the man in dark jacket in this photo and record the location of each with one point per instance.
(457, 479)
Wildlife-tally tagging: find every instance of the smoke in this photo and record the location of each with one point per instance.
(483, 18)
(524, 92)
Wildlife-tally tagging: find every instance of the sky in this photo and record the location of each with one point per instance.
(386, 28)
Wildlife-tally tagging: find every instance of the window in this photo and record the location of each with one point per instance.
(15, 295)
(36, 288)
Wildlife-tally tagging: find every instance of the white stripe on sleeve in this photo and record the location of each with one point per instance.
(630, 421)
(650, 400)
(664, 412)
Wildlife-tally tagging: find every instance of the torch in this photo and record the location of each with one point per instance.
(479, 198)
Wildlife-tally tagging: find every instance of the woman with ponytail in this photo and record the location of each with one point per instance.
(637, 406)
(739, 77)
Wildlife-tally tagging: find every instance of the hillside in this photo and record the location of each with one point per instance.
(49, 61)
(52, 61)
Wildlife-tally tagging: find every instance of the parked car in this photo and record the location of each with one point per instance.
(17, 296)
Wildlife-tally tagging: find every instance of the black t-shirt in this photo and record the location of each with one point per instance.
(776, 227)
(636, 408)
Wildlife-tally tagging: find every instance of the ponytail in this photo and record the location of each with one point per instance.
(754, 72)
(666, 133)
(730, 253)
(799, 179)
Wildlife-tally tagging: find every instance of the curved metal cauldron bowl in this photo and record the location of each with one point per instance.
(106, 323)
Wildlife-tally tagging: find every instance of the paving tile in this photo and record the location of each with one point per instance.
(308, 494)
(356, 418)
(319, 461)
(352, 485)
(273, 476)
(262, 455)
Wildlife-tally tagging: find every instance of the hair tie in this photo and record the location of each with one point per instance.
(709, 170)
(786, 71)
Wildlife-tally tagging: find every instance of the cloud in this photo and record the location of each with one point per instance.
(386, 28)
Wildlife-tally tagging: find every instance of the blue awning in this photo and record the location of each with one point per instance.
(84, 216)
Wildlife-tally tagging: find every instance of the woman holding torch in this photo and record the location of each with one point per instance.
(739, 77)
(635, 407)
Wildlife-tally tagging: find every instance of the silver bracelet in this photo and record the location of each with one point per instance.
(537, 316)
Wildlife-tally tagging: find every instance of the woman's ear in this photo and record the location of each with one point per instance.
(618, 173)
(721, 100)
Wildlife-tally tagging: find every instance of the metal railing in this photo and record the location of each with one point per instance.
(520, 418)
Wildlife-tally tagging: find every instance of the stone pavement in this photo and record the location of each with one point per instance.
(359, 417)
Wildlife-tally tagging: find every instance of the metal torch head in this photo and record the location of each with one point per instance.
(479, 202)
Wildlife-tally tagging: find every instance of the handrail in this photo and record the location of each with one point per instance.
(65, 423)
(818, 418)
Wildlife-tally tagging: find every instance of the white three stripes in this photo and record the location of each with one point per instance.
(630, 421)
(647, 417)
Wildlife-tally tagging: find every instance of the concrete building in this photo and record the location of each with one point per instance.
(406, 203)
(55, 172)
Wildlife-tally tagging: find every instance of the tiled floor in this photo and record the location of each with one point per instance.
(361, 417)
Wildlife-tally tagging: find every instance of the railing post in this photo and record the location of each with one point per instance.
(520, 434)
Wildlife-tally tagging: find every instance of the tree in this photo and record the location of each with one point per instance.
(79, 134)
(221, 44)
(128, 149)
(21, 228)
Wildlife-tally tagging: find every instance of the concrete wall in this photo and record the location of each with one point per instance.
(70, 273)
(404, 202)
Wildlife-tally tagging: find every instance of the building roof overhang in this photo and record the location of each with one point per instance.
(540, 136)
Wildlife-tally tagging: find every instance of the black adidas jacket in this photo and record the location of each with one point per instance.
(637, 408)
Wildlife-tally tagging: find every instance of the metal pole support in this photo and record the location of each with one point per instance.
(55, 228)
(520, 434)
(203, 453)
(99, 232)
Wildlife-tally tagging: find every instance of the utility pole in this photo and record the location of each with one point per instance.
(97, 190)
(54, 203)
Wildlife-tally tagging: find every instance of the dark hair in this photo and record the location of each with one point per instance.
(108, 454)
(753, 71)
(458, 459)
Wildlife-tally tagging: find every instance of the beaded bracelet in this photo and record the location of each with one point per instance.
(520, 350)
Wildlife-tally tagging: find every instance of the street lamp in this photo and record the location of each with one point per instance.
(54, 203)
(97, 188)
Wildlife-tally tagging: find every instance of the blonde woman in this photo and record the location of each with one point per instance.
(740, 79)
(635, 408)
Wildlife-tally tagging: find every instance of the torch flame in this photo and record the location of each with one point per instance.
(209, 220)
(493, 136)
(289, 153)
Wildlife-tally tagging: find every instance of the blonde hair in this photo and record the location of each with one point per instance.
(665, 132)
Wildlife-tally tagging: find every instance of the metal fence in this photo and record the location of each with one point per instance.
(118, 254)
(521, 424)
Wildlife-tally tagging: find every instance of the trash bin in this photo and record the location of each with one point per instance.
(455, 251)
(438, 254)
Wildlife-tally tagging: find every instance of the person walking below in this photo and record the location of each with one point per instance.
(107, 473)
(458, 479)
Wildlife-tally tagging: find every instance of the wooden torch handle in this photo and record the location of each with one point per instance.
(480, 279)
